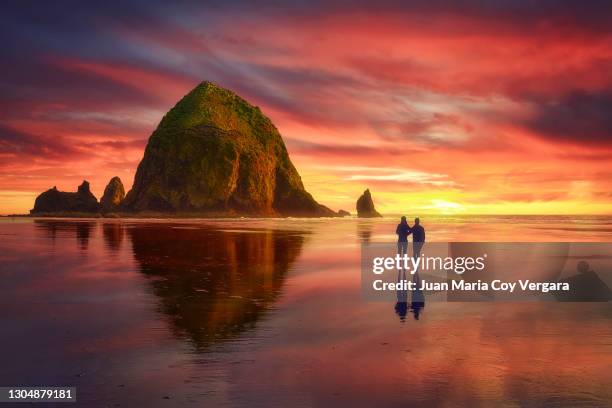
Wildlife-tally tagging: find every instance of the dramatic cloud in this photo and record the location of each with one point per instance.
(578, 117)
(23, 145)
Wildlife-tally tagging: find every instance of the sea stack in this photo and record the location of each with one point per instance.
(365, 206)
(55, 201)
(114, 193)
(214, 153)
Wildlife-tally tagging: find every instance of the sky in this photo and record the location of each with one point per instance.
(464, 107)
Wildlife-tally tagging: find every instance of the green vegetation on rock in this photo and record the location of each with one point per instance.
(214, 152)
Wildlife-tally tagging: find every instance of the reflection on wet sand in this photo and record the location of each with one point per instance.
(417, 303)
(213, 284)
(401, 306)
(114, 233)
(154, 335)
(418, 298)
(364, 232)
(82, 230)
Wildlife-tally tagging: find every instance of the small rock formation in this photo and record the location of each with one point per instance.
(55, 201)
(215, 153)
(114, 193)
(365, 206)
(343, 213)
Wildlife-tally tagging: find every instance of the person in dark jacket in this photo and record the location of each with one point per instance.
(418, 238)
(402, 231)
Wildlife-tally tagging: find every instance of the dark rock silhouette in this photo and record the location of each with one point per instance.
(215, 153)
(55, 201)
(114, 193)
(343, 213)
(365, 206)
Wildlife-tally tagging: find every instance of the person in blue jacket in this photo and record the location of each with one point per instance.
(402, 231)
(418, 238)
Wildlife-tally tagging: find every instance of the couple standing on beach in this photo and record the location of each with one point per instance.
(418, 240)
(418, 237)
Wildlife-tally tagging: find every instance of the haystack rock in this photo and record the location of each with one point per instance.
(365, 206)
(55, 201)
(215, 153)
(114, 193)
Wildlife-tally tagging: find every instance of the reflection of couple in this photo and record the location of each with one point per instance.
(418, 237)
(418, 299)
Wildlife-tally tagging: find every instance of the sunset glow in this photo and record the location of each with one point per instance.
(437, 109)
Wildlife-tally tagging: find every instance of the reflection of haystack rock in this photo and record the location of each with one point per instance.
(214, 284)
(585, 287)
(365, 206)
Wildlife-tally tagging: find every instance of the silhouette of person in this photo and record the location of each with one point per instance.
(587, 286)
(402, 231)
(418, 238)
